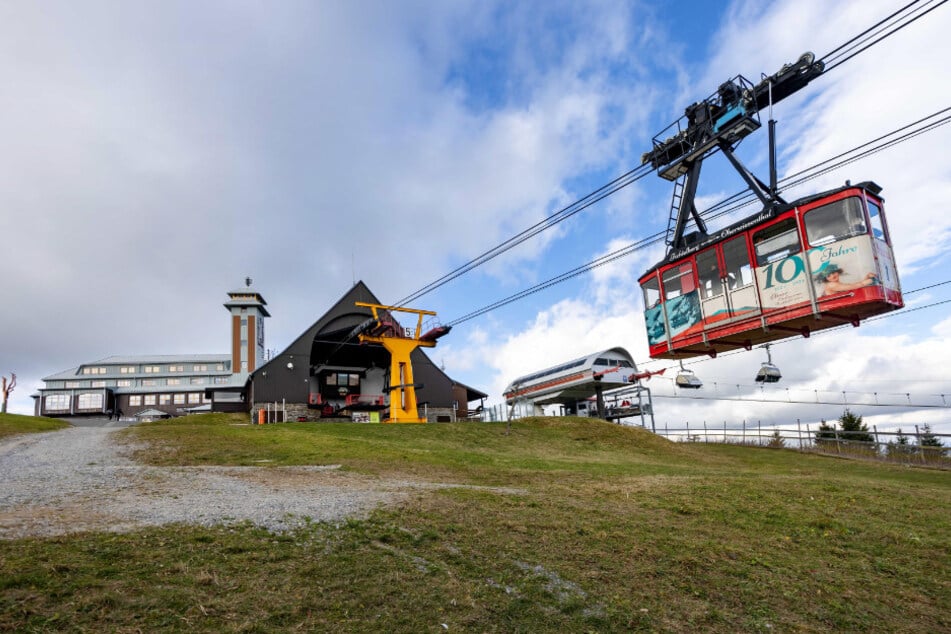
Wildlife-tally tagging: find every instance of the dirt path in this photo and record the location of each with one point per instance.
(80, 479)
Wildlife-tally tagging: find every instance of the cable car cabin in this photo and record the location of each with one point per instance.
(816, 263)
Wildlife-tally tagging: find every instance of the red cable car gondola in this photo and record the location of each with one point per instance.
(794, 268)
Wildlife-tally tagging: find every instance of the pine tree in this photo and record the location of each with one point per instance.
(853, 429)
(927, 438)
(826, 433)
(931, 444)
(899, 446)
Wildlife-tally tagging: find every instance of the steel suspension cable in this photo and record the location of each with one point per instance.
(561, 215)
(657, 237)
(832, 61)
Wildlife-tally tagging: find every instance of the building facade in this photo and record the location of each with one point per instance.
(150, 386)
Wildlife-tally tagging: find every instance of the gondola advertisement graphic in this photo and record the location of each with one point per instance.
(846, 266)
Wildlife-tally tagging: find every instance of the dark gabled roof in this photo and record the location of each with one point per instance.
(346, 305)
(425, 371)
(472, 394)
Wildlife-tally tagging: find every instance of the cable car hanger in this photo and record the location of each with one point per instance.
(719, 123)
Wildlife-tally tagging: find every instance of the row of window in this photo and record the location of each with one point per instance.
(195, 380)
(155, 369)
(94, 400)
(193, 398)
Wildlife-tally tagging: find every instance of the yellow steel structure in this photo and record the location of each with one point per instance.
(403, 407)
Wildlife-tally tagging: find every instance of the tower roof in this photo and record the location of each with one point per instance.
(247, 297)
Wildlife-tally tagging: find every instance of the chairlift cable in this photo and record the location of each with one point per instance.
(904, 311)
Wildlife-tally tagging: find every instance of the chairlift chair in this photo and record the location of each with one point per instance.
(768, 373)
(686, 379)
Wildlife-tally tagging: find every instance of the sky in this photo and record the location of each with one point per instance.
(156, 153)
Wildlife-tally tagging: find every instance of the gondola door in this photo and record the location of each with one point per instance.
(710, 273)
(739, 280)
(726, 283)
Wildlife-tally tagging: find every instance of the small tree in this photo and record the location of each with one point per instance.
(826, 433)
(927, 438)
(853, 429)
(930, 443)
(899, 446)
(7, 387)
(776, 441)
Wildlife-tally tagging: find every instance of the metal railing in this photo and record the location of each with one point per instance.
(898, 446)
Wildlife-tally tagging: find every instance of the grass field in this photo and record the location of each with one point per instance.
(12, 424)
(571, 525)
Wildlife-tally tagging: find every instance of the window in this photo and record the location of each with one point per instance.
(709, 272)
(220, 367)
(875, 217)
(199, 367)
(150, 399)
(135, 400)
(651, 290)
(244, 366)
(678, 280)
(736, 257)
(197, 380)
(127, 369)
(222, 379)
(90, 401)
(149, 382)
(777, 242)
(836, 221)
(194, 397)
(56, 402)
(343, 378)
(97, 384)
(124, 383)
(178, 399)
(94, 370)
(164, 399)
(152, 369)
(173, 381)
(176, 368)
(73, 384)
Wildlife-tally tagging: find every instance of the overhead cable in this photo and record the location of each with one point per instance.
(804, 176)
(873, 35)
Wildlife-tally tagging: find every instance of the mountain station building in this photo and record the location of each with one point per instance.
(324, 373)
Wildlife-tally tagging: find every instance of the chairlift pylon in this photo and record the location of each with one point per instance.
(768, 373)
(687, 379)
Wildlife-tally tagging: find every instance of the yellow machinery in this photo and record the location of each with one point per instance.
(400, 344)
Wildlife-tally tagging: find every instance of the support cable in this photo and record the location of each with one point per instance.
(835, 57)
(866, 39)
(657, 237)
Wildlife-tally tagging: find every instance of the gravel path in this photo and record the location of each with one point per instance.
(79, 479)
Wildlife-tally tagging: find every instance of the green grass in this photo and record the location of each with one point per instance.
(600, 528)
(12, 424)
